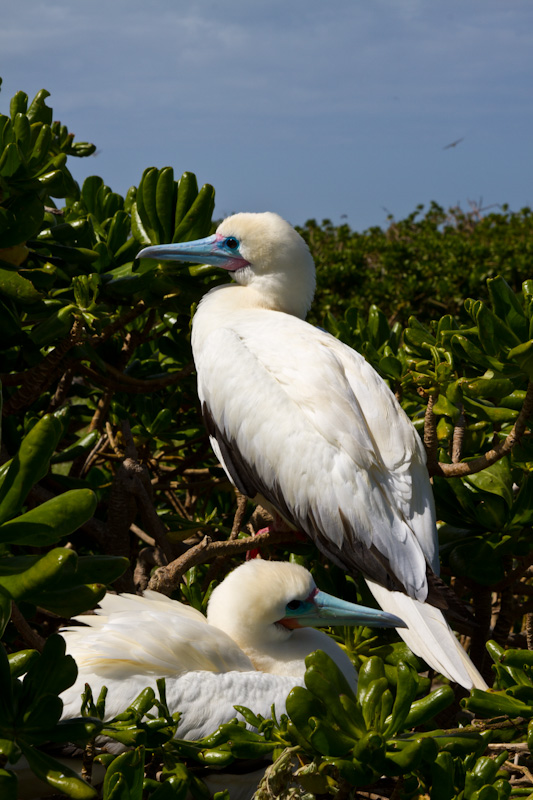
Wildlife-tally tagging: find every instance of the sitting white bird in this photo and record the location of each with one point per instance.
(303, 424)
(250, 650)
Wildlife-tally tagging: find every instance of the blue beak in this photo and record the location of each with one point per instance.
(324, 609)
(210, 250)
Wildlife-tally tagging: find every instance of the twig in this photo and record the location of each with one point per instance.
(148, 558)
(458, 438)
(119, 323)
(277, 775)
(529, 631)
(431, 442)
(39, 378)
(142, 535)
(520, 768)
(511, 746)
(102, 407)
(524, 564)
(482, 608)
(242, 501)
(219, 563)
(100, 444)
(88, 761)
(506, 617)
(125, 383)
(112, 440)
(167, 579)
(30, 636)
(499, 451)
(65, 382)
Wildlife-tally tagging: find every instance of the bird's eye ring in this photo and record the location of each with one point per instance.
(232, 243)
(294, 604)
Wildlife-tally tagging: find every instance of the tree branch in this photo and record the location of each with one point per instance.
(502, 449)
(120, 382)
(39, 378)
(167, 579)
(30, 636)
(431, 442)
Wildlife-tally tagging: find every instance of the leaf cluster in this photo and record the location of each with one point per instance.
(425, 264)
(107, 478)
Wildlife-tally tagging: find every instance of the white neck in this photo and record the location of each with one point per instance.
(219, 307)
(287, 656)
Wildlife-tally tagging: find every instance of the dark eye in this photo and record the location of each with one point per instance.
(294, 604)
(232, 243)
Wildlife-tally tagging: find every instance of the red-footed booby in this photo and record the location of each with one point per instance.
(250, 650)
(303, 424)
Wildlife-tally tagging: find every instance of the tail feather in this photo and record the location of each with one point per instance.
(429, 636)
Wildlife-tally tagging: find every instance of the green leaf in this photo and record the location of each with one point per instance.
(38, 110)
(378, 327)
(10, 161)
(52, 673)
(424, 710)
(18, 104)
(52, 520)
(7, 699)
(60, 777)
(493, 704)
(165, 201)
(507, 306)
(8, 785)
(31, 578)
(496, 479)
(5, 609)
(187, 193)
(29, 465)
(124, 777)
(523, 356)
(15, 286)
(26, 215)
(444, 407)
(43, 712)
(19, 662)
(301, 707)
(67, 602)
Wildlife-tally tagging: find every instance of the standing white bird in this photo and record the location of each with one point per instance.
(251, 649)
(302, 423)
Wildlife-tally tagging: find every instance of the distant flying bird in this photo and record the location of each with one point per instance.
(303, 424)
(453, 144)
(251, 648)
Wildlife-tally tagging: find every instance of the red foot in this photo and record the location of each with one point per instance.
(255, 552)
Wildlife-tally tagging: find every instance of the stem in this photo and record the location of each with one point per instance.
(30, 636)
(502, 449)
(431, 442)
(167, 579)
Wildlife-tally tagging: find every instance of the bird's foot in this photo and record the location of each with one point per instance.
(278, 524)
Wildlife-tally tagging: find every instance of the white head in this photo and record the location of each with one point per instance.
(251, 603)
(262, 251)
(267, 607)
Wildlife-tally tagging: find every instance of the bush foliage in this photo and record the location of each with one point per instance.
(107, 475)
(426, 264)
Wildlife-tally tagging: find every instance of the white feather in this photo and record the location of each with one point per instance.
(239, 655)
(316, 425)
(429, 636)
(311, 415)
(303, 422)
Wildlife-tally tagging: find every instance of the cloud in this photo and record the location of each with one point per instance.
(302, 93)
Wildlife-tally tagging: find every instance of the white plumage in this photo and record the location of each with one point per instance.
(246, 652)
(305, 425)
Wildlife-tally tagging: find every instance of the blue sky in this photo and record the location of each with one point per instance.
(303, 107)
